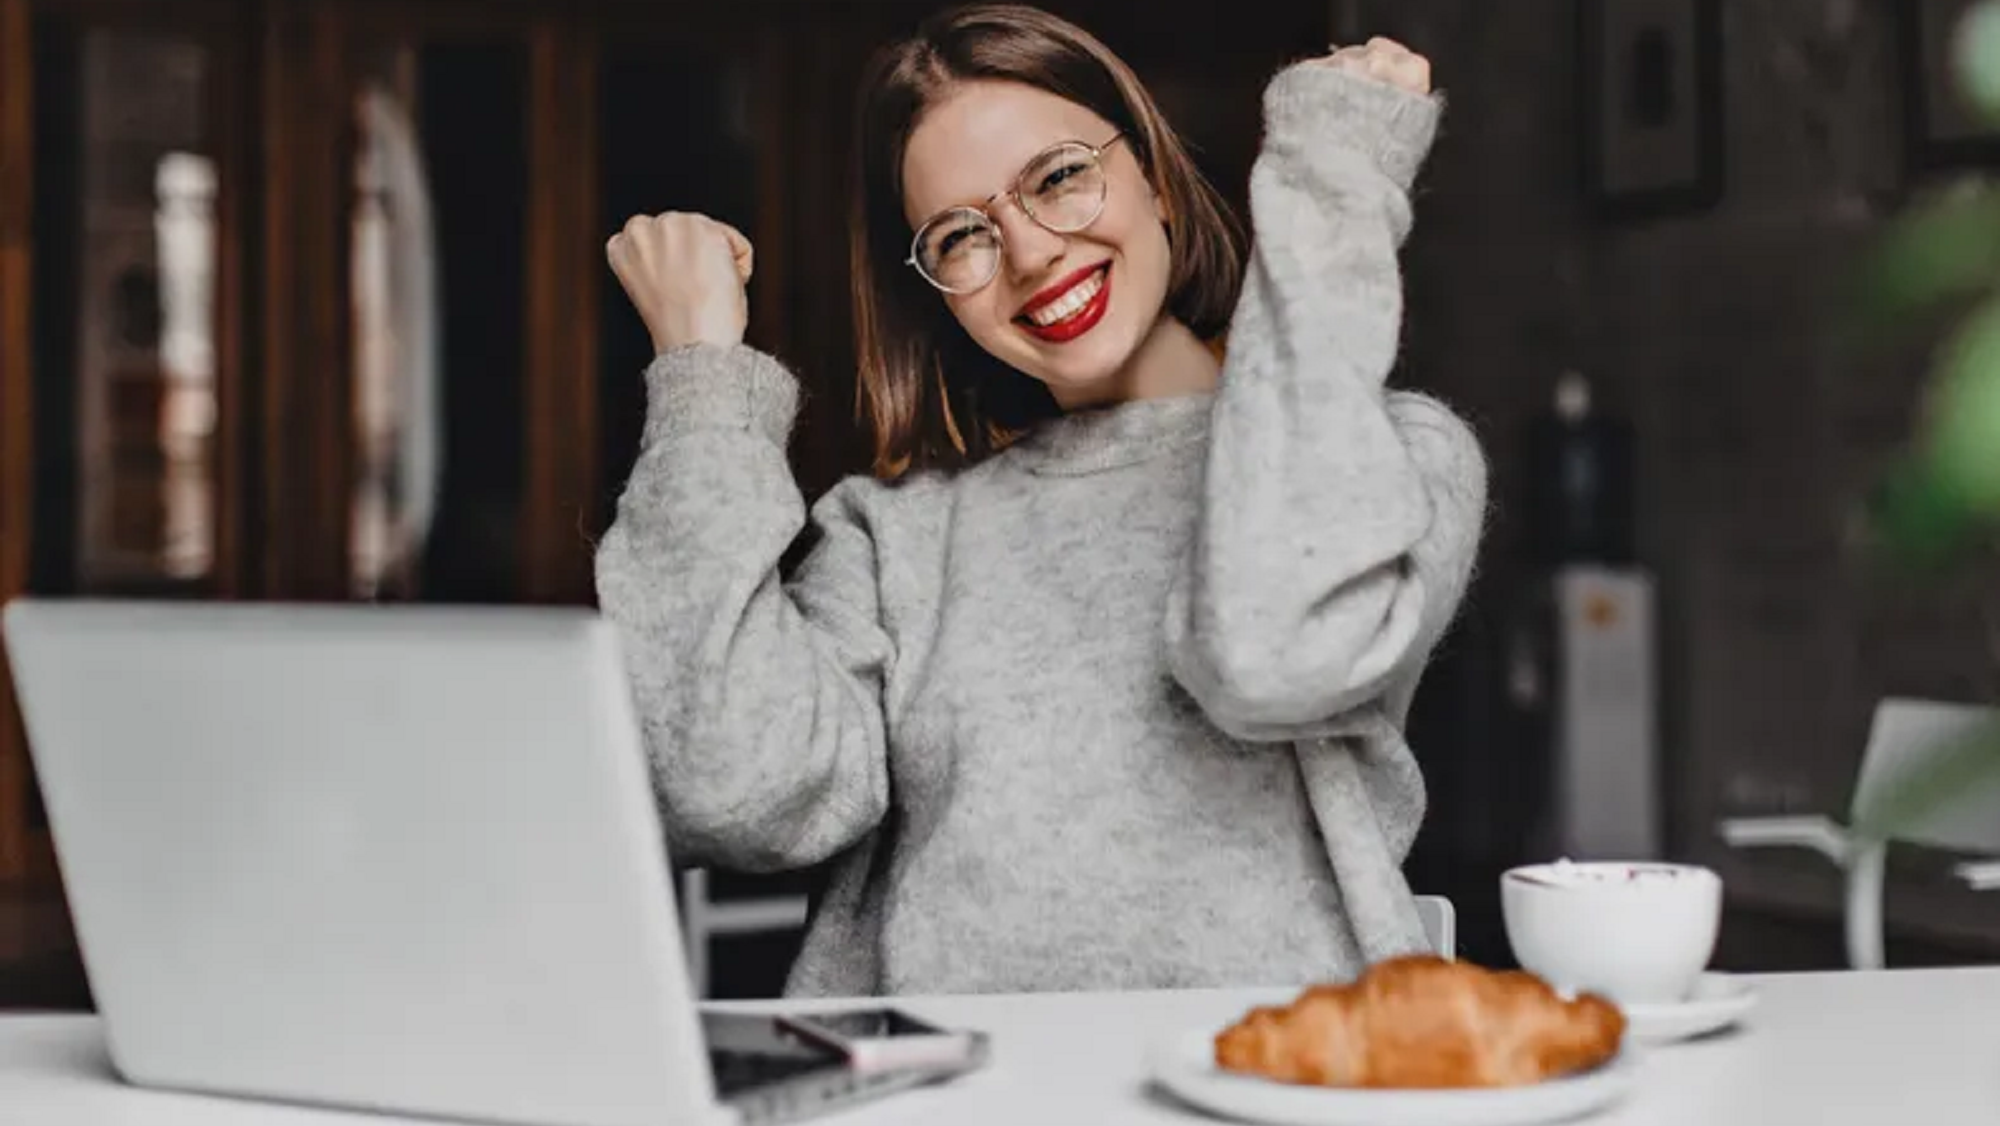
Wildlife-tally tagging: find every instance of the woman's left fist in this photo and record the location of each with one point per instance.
(1385, 60)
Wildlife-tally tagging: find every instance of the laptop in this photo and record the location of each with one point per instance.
(404, 860)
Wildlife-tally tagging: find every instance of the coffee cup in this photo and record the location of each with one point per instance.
(1637, 933)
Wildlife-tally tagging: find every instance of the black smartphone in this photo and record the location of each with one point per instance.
(886, 1039)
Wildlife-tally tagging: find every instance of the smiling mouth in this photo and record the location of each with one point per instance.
(1071, 307)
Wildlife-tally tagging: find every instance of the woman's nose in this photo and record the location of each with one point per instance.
(1030, 247)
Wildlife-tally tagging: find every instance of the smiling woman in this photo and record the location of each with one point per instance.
(1099, 681)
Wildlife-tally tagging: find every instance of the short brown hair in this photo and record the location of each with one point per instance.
(933, 398)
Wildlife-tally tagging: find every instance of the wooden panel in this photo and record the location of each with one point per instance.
(806, 147)
(307, 409)
(279, 261)
(229, 89)
(441, 19)
(16, 405)
(323, 367)
(564, 271)
(777, 101)
(181, 16)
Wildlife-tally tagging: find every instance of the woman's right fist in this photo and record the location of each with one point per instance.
(685, 275)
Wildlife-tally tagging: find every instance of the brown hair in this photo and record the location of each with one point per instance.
(933, 398)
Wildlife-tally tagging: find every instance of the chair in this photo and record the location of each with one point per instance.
(1902, 733)
(1440, 924)
(703, 920)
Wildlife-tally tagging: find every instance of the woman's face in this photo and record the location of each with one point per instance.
(1069, 309)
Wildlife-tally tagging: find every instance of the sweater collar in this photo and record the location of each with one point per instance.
(1103, 438)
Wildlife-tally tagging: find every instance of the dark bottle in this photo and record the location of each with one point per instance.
(1580, 505)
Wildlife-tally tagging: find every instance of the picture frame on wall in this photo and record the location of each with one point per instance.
(1651, 101)
(1939, 129)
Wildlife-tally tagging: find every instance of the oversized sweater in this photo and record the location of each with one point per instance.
(1120, 707)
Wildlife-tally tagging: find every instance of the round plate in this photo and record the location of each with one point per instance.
(1718, 1001)
(1185, 1066)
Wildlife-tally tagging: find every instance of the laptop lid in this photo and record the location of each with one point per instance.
(403, 859)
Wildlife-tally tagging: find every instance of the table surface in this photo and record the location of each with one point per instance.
(1920, 1047)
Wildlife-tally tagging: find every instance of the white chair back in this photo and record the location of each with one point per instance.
(1440, 924)
(1904, 733)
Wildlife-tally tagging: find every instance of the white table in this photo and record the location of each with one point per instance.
(1914, 1047)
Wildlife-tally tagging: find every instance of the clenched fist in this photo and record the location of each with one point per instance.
(1385, 60)
(685, 275)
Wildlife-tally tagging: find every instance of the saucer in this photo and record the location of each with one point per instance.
(1717, 1001)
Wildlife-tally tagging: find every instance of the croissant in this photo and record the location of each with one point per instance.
(1422, 1021)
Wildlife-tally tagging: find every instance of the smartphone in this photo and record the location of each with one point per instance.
(771, 1075)
(885, 1039)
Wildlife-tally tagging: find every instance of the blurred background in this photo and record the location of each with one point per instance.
(305, 299)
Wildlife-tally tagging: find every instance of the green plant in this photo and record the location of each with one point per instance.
(1936, 270)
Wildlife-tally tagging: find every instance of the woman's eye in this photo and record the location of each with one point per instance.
(956, 238)
(1057, 176)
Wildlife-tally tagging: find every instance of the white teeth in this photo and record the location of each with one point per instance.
(1069, 304)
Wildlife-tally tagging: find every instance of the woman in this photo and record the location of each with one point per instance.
(1098, 682)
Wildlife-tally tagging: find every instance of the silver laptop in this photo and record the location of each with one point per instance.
(397, 859)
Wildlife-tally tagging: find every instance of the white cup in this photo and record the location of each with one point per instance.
(1637, 933)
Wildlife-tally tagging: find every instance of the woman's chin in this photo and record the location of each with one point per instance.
(1088, 375)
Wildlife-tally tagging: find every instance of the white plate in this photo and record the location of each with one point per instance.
(1718, 1001)
(1185, 1066)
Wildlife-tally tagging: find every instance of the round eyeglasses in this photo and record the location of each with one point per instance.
(1062, 189)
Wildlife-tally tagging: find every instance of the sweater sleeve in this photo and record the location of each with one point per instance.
(761, 704)
(1338, 520)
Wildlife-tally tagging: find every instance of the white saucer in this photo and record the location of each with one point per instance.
(1185, 1066)
(1718, 1001)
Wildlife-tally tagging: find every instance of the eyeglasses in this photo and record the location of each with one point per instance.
(1062, 190)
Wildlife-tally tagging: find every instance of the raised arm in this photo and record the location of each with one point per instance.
(1339, 521)
(761, 705)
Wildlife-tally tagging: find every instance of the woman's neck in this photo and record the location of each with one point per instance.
(1170, 361)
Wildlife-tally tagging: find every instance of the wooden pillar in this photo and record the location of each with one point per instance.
(230, 89)
(17, 181)
(565, 268)
(308, 412)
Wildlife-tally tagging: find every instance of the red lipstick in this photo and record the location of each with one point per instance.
(1078, 322)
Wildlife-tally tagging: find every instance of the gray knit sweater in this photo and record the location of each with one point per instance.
(1118, 708)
